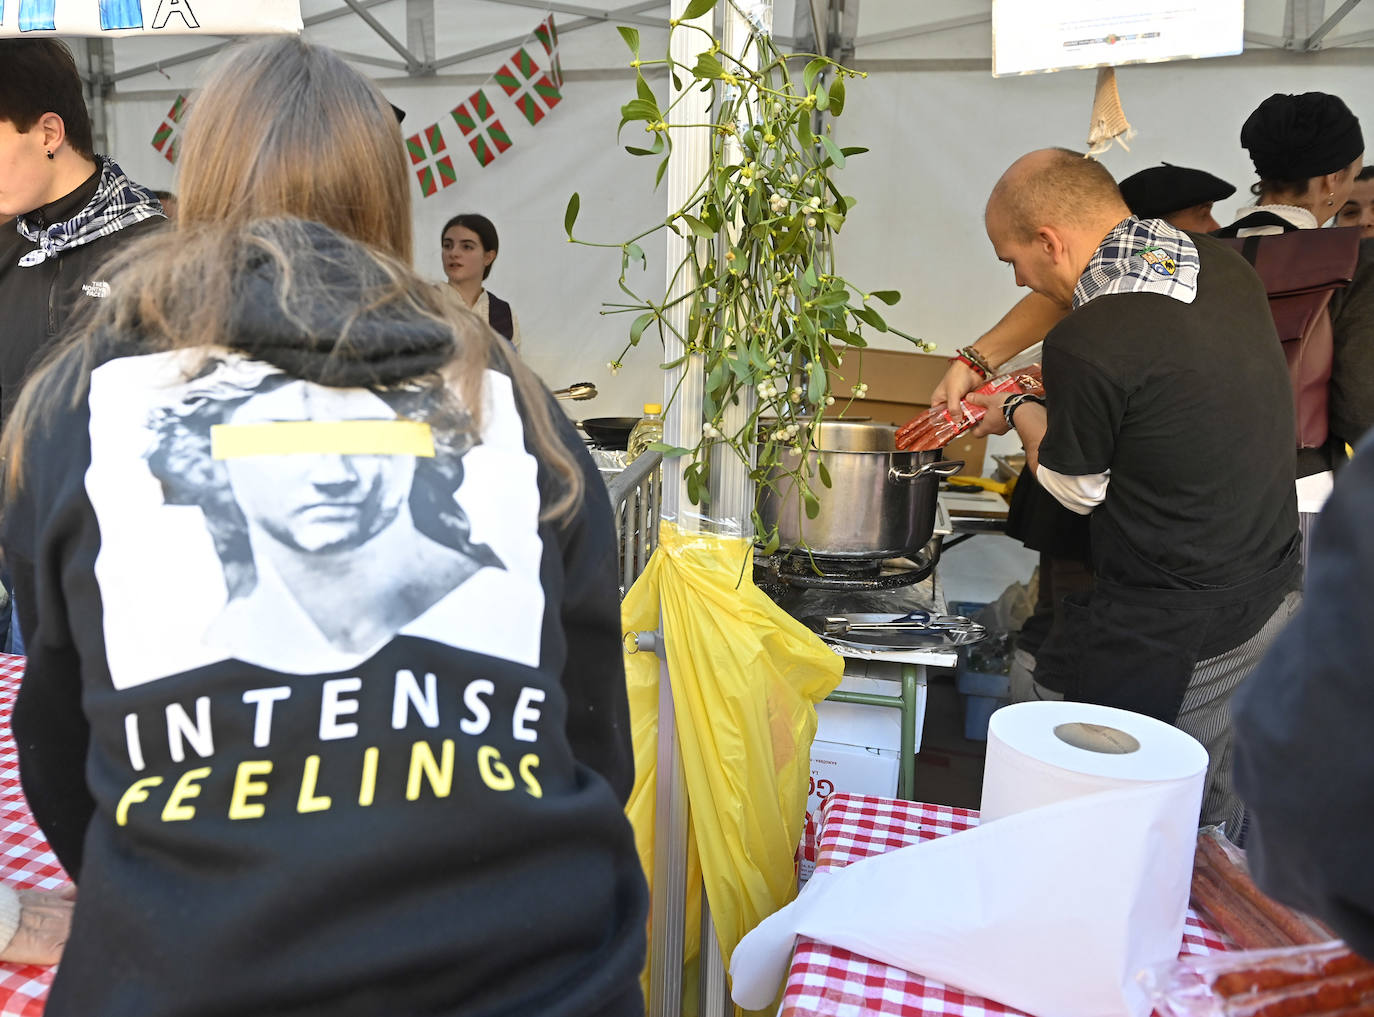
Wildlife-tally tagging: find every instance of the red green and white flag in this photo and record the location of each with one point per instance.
(167, 138)
(547, 34)
(477, 120)
(534, 93)
(429, 155)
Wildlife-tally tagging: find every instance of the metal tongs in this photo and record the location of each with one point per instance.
(577, 391)
(955, 628)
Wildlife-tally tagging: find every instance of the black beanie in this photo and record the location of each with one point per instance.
(1297, 137)
(1160, 190)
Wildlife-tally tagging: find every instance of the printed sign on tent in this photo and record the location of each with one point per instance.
(147, 17)
(1029, 36)
(167, 138)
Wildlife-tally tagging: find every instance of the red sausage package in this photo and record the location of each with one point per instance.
(939, 425)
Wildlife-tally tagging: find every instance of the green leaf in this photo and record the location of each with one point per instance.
(837, 96)
(870, 317)
(832, 298)
(639, 109)
(669, 451)
(833, 219)
(833, 150)
(653, 149)
(815, 384)
(645, 91)
(809, 279)
(708, 67)
(813, 69)
(631, 37)
(662, 168)
(888, 297)
(697, 8)
(698, 227)
(825, 474)
(813, 504)
(774, 541)
(673, 363)
(822, 97)
(636, 253)
(849, 150)
(640, 324)
(570, 214)
(853, 339)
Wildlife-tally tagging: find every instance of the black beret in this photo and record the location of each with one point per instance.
(1164, 189)
(1297, 137)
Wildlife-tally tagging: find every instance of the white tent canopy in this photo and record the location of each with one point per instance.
(939, 126)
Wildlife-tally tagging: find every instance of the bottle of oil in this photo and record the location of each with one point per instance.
(646, 432)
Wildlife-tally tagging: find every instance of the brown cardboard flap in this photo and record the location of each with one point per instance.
(899, 387)
(894, 376)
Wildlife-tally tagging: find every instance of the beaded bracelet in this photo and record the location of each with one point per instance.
(1012, 403)
(971, 356)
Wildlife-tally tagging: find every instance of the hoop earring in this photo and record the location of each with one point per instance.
(50, 155)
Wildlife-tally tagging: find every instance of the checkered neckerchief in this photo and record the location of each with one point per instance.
(118, 202)
(1141, 256)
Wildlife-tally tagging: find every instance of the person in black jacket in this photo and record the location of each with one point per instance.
(406, 795)
(74, 208)
(1304, 764)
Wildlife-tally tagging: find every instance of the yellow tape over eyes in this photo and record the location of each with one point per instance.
(322, 437)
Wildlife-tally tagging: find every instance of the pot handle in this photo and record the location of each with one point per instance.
(940, 468)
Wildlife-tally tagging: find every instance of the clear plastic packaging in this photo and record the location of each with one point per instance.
(1323, 980)
(938, 426)
(1233, 905)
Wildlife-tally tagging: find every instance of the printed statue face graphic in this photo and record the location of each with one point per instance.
(319, 502)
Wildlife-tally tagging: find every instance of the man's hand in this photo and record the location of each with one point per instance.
(958, 382)
(994, 420)
(45, 922)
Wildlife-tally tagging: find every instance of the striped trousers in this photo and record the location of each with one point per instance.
(1205, 713)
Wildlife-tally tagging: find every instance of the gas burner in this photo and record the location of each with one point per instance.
(775, 573)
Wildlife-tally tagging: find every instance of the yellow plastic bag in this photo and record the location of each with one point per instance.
(745, 678)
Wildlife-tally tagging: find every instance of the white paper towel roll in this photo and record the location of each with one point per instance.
(1080, 881)
(1044, 752)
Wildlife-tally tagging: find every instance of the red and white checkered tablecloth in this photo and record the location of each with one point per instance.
(825, 981)
(25, 859)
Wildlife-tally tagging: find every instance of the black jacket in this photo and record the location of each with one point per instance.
(335, 731)
(1304, 761)
(38, 301)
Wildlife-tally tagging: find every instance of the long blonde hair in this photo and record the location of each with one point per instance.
(282, 129)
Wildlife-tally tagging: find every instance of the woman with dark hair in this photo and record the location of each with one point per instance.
(324, 707)
(1307, 151)
(470, 247)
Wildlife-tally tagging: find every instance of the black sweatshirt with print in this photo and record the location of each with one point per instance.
(323, 720)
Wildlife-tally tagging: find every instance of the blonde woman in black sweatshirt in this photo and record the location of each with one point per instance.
(292, 774)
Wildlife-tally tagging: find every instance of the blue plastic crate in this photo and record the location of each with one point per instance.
(978, 711)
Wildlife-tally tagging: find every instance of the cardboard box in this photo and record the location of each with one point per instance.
(877, 727)
(839, 767)
(899, 387)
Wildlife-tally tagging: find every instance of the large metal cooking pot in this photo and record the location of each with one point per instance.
(880, 502)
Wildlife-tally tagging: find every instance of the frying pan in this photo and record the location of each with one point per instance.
(609, 432)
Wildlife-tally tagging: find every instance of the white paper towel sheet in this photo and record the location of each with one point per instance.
(1079, 880)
